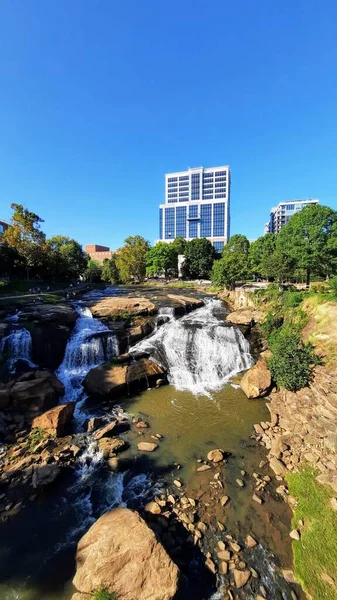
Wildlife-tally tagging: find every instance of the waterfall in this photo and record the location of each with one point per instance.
(84, 351)
(199, 351)
(17, 345)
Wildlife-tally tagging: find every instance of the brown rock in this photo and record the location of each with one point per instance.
(110, 446)
(278, 466)
(245, 316)
(106, 431)
(223, 569)
(108, 307)
(121, 553)
(147, 446)
(257, 382)
(203, 468)
(241, 577)
(142, 425)
(55, 421)
(45, 474)
(114, 379)
(153, 508)
(215, 455)
(250, 541)
(40, 393)
(94, 423)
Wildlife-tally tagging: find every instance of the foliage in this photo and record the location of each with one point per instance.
(199, 258)
(93, 272)
(315, 553)
(271, 322)
(234, 264)
(292, 360)
(66, 257)
(260, 252)
(131, 259)
(110, 273)
(292, 299)
(103, 594)
(279, 266)
(25, 236)
(333, 285)
(310, 240)
(179, 245)
(162, 259)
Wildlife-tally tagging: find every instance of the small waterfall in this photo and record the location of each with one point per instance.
(17, 345)
(85, 351)
(199, 351)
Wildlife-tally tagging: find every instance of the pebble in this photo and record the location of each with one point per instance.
(224, 555)
(262, 464)
(224, 500)
(177, 483)
(235, 547)
(221, 527)
(221, 545)
(295, 534)
(243, 473)
(223, 569)
(257, 499)
(210, 565)
(250, 541)
(203, 468)
(240, 482)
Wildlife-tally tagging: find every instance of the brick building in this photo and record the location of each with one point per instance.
(97, 252)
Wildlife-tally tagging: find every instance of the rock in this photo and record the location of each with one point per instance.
(235, 547)
(224, 500)
(61, 314)
(114, 379)
(333, 503)
(250, 541)
(278, 466)
(288, 575)
(55, 420)
(223, 568)
(5, 398)
(110, 446)
(210, 565)
(114, 306)
(40, 392)
(94, 423)
(106, 431)
(120, 552)
(44, 475)
(257, 382)
(258, 429)
(215, 455)
(241, 577)
(257, 499)
(295, 534)
(203, 468)
(147, 446)
(224, 555)
(142, 425)
(153, 508)
(245, 317)
(177, 483)
(240, 482)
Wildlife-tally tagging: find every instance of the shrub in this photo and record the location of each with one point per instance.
(271, 323)
(333, 286)
(292, 360)
(103, 594)
(292, 299)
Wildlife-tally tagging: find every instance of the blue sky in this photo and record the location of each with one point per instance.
(99, 99)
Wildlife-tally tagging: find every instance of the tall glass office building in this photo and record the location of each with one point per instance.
(196, 205)
(281, 214)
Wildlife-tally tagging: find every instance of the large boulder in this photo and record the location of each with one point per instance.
(245, 316)
(122, 375)
(39, 390)
(62, 314)
(121, 554)
(122, 307)
(55, 421)
(257, 382)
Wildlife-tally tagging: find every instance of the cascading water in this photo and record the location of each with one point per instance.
(86, 349)
(199, 351)
(17, 345)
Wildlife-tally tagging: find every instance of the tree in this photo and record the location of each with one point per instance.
(310, 239)
(260, 252)
(66, 257)
(199, 255)
(93, 272)
(162, 259)
(25, 236)
(179, 244)
(234, 264)
(131, 259)
(279, 266)
(110, 272)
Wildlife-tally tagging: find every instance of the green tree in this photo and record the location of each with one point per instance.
(234, 264)
(310, 239)
(279, 266)
(199, 258)
(131, 259)
(260, 252)
(110, 273)
(162, 259)
(25, 236)
(66, 257)
(93, 272)
(179, 244)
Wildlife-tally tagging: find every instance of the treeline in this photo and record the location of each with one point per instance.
(26, 252)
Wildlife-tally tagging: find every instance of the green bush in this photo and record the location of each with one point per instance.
(271, 323)
(292, 360)
(333, 286)
(104, 594)
(293, 299)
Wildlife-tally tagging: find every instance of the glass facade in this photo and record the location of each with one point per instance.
(206, 220)
(195, 186)
(169, 223)
(219, 219)
(160, 223)
(181, 221)
(218, 246)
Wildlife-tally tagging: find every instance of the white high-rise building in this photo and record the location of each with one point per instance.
(281, 214)
(197, 204)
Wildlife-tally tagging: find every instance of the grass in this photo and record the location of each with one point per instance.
(315, 553)
(104, 594)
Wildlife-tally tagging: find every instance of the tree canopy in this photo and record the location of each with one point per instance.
(162, 259)
(131, 259)
(110, 273)
(199, 258)
(234, 264)
(25, 236)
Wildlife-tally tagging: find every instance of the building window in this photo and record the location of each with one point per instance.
(220, 173)
(290, 207)
(193, 229)
(222, 195)
(206, 220)
(160, 223)
(181, 221)
(195, 186)
(219, 219)
(172, 179)
(207, 186)
(185, 178)
(218, 246)
(193, 211)
(220, 185)
(169, 223)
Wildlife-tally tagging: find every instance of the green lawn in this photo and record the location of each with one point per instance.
(315, 554)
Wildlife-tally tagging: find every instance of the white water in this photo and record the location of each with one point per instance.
(84, 351)
(199, 351)
(18, 345)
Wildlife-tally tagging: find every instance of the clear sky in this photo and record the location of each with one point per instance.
(99, 99)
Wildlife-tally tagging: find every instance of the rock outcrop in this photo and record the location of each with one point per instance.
(33, 391)
(120, 553)
(246, 317)
(55, 421)
(60, 314)
(124, 374)
(118, 306)
(257, 382)
(183, 304)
